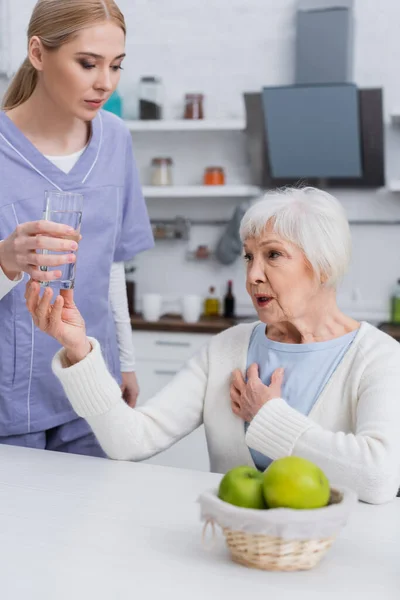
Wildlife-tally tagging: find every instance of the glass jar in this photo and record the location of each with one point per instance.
(150, 99)
(161, 171)
(214, 176)
(194, 106)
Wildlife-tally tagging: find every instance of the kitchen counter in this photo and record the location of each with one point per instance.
(175, 323)
(392, 329)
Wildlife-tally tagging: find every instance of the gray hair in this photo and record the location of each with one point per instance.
(311, 219)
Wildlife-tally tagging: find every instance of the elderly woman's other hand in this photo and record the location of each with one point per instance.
(248, 398)
(62, 320)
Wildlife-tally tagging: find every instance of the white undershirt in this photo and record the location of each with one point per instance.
(117, 290)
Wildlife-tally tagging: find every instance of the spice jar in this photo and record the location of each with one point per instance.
(150, 99)
(161, 171)
(214, 176)
(194, 106)
(202, 252)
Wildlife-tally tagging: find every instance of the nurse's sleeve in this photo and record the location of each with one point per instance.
(135, 234)
(125, 433)
(6, 285)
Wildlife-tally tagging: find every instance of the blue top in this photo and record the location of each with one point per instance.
(308, 368)
(115, 227)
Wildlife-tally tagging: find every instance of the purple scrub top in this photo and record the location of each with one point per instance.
(115, 227)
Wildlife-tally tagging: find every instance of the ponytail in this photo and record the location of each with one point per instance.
(21, 87)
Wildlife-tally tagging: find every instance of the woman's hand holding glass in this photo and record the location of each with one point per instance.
(248, 397)
(20, 251)
(61, 320)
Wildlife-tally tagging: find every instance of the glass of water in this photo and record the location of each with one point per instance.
(64, 208)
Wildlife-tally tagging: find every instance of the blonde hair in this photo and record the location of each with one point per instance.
(56, 22)
(310, 218)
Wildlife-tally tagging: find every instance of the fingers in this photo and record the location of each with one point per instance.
(252, 372)
(234, 394)
(238, 380)
(236, 409)
(49, 260)
(32, 292)
(68, 297)
(43, 309)
(235, 399)
(45, 316)
(131, 401)
(277, 376)
(53, 244)
(39, 275)
(276, 382)
(39, 263)
(56, 313)
(45, 227)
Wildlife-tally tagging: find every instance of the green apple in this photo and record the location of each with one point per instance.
(294, 482)
(243, 486)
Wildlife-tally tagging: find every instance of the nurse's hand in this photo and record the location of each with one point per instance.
(61, 320)
(130, 388)
(18, 252)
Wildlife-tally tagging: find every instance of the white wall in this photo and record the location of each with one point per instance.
(223, 48)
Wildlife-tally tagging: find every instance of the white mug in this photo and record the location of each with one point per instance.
(191, 308)
(151, 307)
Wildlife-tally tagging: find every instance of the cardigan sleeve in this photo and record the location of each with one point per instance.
(367, 460)
(134, 434)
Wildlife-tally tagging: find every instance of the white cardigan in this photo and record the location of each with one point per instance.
(352, 431)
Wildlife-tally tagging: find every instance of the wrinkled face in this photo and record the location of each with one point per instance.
(279, 280)
(82, 74)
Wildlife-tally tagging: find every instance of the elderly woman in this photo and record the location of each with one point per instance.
(304, 380)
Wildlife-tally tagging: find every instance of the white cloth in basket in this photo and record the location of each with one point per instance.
(285, 523)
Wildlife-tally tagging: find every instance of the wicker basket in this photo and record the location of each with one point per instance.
(274, 553)
(294, 549)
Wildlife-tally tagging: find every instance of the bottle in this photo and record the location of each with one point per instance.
(229, 303)
(114, 104)
(395, 312)
(211, 304)
(151, 94)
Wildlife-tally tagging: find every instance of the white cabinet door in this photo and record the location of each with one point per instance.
(190, 452)
(153, 376)
(162, 345)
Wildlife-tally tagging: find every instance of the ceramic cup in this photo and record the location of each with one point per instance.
(191, 308)
(151, 307)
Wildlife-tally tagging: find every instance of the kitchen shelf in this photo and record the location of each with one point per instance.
(191, 255)
(202, 191)
(178, 229)
(188, 125)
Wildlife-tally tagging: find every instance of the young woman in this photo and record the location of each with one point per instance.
(53, 136)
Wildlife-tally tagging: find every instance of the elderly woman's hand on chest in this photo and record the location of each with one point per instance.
(248, 398)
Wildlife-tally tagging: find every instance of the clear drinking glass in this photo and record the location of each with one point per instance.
(64, 208)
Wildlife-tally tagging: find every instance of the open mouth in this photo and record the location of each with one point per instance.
(94, 103)
(263, 301)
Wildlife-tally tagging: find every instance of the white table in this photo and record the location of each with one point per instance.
(75, 528)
